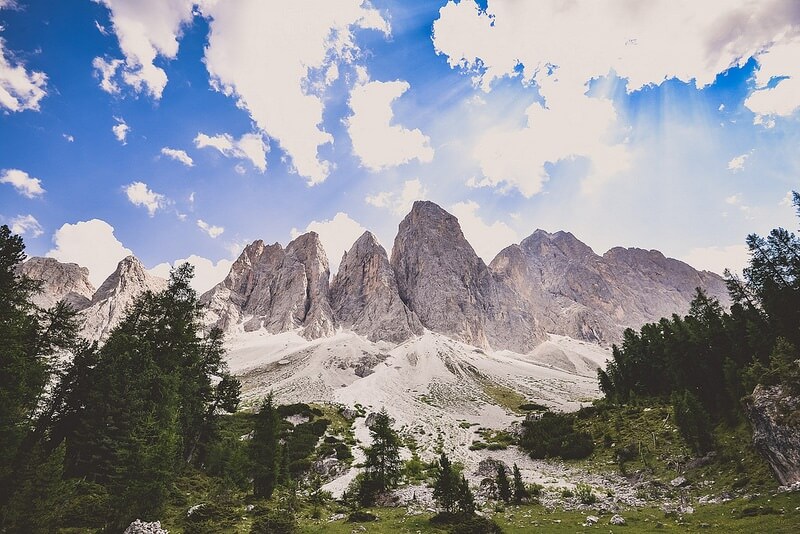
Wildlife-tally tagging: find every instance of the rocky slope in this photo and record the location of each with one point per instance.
(60, 281)
(115, 294)
(365, 298)
(275, 289)
(572, 291)
(775, 418)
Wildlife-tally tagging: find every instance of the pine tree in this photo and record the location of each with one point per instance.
(465, 498)
(265, 449)
(446, 485)
(520, 491)
(503, 486)
(383, 464)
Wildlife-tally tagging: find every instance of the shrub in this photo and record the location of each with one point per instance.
(554, 435)
(585, 493)
(273, 521)
(360, 516)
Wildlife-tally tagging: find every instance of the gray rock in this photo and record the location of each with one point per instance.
(275, 289)
(60, 281)
(770, 410)
(616, 520)
(112, 298)
(679, 482)
(591, 520)
(141, 527)
(364, 295)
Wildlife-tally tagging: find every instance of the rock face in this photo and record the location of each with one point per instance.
(775, 418)
(440, 277)
(570, 290)
(365, 297)
(119, 290)
(60, 281)
(275, 289)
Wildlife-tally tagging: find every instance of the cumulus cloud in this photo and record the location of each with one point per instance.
(274, 59)
(121, 130)
(562, 47)
(717, 259)
(26, 225)
(69, 138)
(399, 202)
(337, 236)
(487, 239)
(212, 231)
(20, 89)
(206, 273)
(737, 164)
(178, 155)
(91, 244)
(376, 141)
(26, 185)
(139, 194)
(249, 147)
(146, 30)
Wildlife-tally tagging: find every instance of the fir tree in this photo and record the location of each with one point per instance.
(503, 485)
(383, 464)
(520, 491)
(265, 449)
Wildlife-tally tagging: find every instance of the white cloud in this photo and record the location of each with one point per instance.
(486, 239)
(776, 61)
(266, 55)
(717, 259)
(140, 194)
(69, 138)
(105, 70)
(91, 244)
(376, 141)
(337, 236)
(249, 146)
(146, 30)
(212, 231)
(121, 130)
(178, 155)
(26, 225)
(399, 202)
(561, 47)
(206, 273)
(737, 164)
(20, 89)
(787, 200)
(26, 185)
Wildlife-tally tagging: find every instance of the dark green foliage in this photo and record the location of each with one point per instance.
(360, 516)
(383, 463)
(553, 435)
(273, 521)
(464, 498)
(211, 518)
(692, 421)
(265, 450)
(520, 491)
(446, 485)
(503, 485)
(474, 524)
(719, 356)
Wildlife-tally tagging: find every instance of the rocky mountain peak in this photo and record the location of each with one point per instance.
(545, 244)
(364, 294)
(60, 281)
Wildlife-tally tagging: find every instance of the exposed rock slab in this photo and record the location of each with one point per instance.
(365, 297)
(117, 292)
(60, 281)
(775, 418)
(275, 289)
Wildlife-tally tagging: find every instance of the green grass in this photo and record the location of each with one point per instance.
(505, 397)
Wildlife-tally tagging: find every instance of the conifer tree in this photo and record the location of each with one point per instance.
(383, 464)
(465, 498)
(503, 485)
(520, 491)
(446, 485)
(265, 449)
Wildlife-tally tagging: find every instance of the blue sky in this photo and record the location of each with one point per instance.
(176, 129)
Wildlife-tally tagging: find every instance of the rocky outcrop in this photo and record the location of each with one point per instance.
(775, 418)
(365, 297)
(275, 289)
(570, 290)
(440, 277)
(111, 300)
(59, 281)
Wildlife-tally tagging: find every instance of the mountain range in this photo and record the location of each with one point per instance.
(434, 280)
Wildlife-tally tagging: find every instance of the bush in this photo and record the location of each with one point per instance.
(360, 516)
(585, 493)
(554, 435)
(466, 524)
(273, 521)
